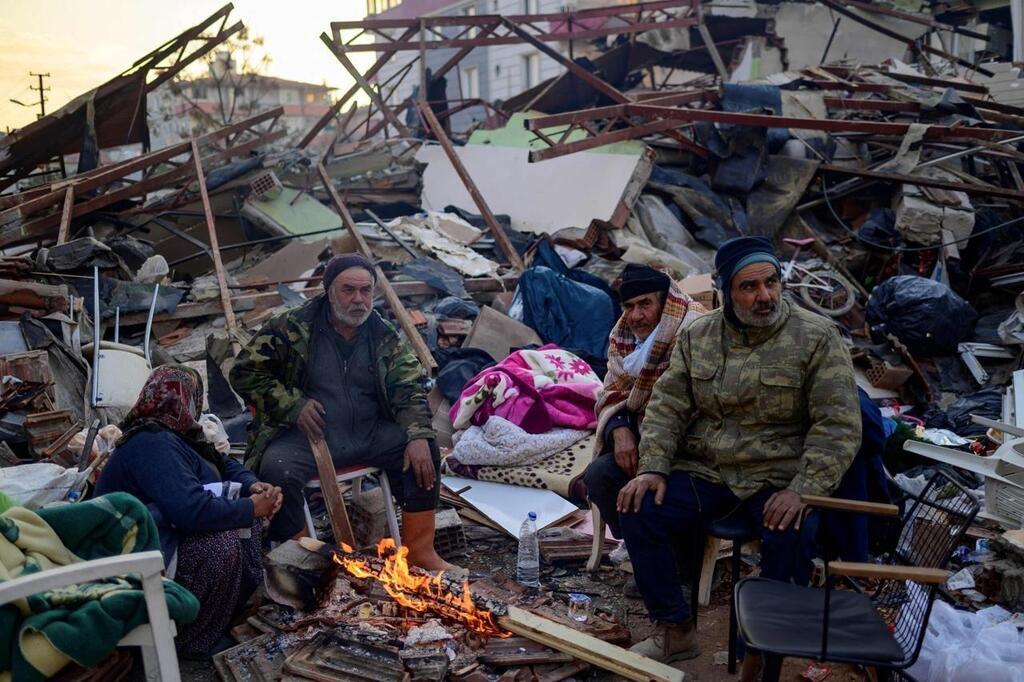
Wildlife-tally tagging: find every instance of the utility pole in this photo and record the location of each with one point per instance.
(41, 90)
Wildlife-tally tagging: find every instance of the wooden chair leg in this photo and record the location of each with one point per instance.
(707, 569)
(597, 547)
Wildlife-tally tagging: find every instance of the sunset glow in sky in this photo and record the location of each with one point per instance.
(83, 43)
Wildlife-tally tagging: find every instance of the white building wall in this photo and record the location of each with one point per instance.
(505, 72)
(507, 63)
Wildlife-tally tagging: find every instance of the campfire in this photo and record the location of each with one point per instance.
(420, 592)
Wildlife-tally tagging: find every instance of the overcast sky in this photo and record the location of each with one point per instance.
(83, 43)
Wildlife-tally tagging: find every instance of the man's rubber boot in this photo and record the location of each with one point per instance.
(418, 536)
(670, 642)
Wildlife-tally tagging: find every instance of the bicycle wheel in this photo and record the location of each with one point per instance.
(828, 293)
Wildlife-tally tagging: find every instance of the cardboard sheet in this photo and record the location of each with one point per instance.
(508, 505)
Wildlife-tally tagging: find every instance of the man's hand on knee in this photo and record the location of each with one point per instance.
(782, 509)
(632, 494)
(417, 456)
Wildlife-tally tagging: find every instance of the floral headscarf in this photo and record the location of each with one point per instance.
(172, 399)
(172, 396)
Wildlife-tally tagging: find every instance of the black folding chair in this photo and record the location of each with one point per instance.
(883, 629)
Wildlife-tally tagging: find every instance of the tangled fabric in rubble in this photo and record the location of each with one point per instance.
(500, 442)
(537, 390)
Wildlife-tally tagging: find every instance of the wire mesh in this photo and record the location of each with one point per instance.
(933, 526)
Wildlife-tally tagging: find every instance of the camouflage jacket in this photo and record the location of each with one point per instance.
(757, 407)
(270, 374)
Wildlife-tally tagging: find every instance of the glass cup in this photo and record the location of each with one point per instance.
(579, 607)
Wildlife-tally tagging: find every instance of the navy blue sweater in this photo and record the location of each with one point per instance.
(167, 475)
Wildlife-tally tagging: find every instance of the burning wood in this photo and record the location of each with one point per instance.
(419, 591)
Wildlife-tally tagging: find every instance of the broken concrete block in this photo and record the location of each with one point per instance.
(918, 220)
(296, 577)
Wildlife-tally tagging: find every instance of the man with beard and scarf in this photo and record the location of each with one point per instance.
(654, 311)
(757, 408)
(335, 370)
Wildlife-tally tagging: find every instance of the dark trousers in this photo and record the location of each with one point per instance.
(289, 463)
(690, 502)
(604, 480)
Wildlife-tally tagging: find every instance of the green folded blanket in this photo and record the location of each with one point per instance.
(83, 623)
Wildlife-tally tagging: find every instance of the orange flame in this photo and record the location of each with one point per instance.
(419, 592)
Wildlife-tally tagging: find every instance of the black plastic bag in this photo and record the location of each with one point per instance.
(926, 316)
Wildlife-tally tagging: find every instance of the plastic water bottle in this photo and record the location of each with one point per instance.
(528, 566)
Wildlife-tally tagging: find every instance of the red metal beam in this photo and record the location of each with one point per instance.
(37, 228)
(620, 19)
(873, 105)
(350, 93)
(361, 81)
(104, 175)
(968, 188)
(828, 125)
(936, 82)
(630, 133)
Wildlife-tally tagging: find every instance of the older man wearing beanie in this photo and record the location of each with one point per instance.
(335, 370)
(757, 408)
(654, 311)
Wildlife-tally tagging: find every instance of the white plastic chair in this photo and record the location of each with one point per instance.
(155, 638)
(355, 474)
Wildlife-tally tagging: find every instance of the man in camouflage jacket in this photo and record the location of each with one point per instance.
(757, 408)
(335, 370)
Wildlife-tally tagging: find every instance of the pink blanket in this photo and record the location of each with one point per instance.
(537, 390)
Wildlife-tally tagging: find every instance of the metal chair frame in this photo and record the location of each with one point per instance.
(933, 525)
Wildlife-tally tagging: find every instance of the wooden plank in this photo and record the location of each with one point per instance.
(855, 569)
(65, 216)
(857, 506)
(607, 656)
(419, 346)
(430, 120)
(218, 264)
(712, 546)
(187, 311)
(336, 510)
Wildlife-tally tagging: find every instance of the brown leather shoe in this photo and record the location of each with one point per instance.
(670, 642)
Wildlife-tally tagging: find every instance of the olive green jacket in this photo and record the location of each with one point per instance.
(756, 407)
(270, 375)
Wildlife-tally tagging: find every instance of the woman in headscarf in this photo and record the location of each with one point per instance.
(210, 542)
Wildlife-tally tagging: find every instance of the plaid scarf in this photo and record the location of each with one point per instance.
(624, 391)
